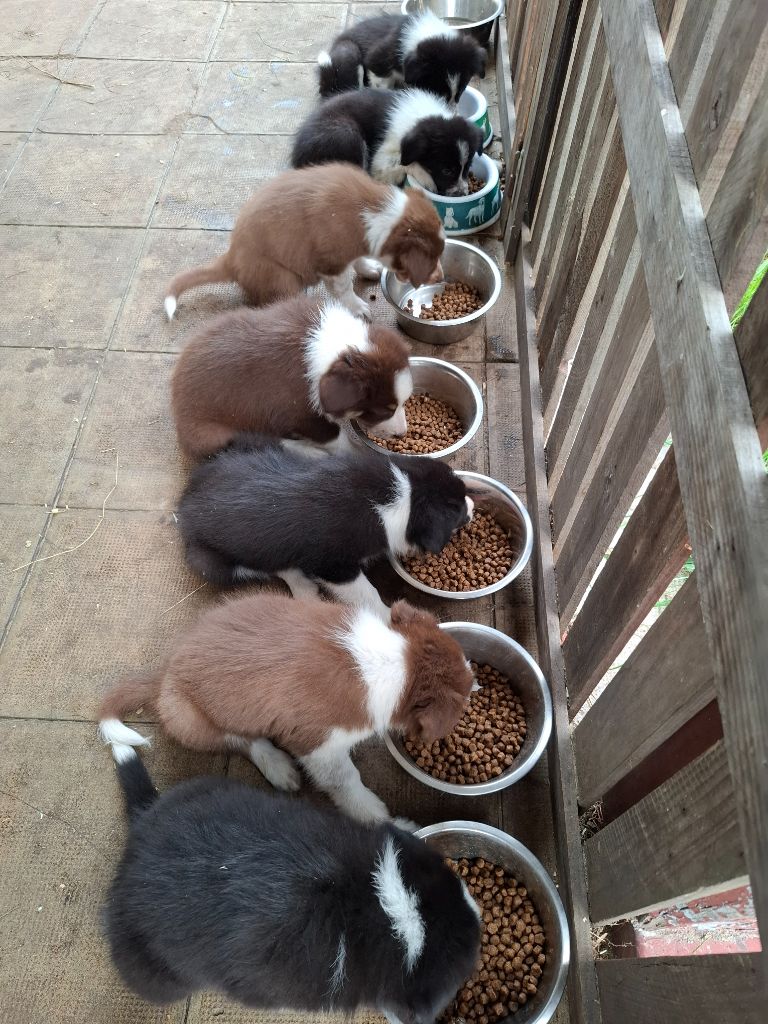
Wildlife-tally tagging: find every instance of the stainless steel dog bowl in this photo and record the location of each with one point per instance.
(473, 839)
(488, 646)
(461, 262)
(449, 384)
(474, 16)
(505, 505)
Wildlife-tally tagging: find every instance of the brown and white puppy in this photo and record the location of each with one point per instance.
(270, 677)
(296, 369)
(319, 224)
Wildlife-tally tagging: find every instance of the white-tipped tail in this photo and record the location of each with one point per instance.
(324, 59)
(122, 752)
(120, 736)
(170, 306)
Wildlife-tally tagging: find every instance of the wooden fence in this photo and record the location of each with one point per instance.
(636, 214)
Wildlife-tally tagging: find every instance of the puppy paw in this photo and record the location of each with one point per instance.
(275, 765)
(406, 824)
(358, 307)
(368, 269)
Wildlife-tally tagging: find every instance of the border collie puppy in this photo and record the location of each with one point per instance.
(297, 369)
(271, 677)
(391, 134)
(319, 224)
(282, 905)
(257, 510)
(393, 50)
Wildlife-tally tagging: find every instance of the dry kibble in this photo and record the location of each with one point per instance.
(475, 183)
(491, 995)
(477, 555)
(455, 301)
(486, 741)
(432, 426)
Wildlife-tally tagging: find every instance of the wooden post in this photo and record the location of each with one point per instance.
(722, 479)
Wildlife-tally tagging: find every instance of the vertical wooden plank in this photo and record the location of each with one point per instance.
(722, 81)
(625, 449)
(582, 990)
(720, 469)
(535, 123)
(643, 563)
(751, 335)
(688, 990)
(683, 839)
(666, 680)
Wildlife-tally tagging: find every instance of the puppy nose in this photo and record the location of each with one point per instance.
(437, 274)
(470, 507)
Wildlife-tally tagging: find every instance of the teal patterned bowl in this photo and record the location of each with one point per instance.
(474, 107)
(464, 215)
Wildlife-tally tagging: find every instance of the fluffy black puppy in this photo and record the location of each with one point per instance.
(391, 134)
(280, 904)
(260, 509)
(392, 50)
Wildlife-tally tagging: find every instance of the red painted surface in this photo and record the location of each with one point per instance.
(722, 923)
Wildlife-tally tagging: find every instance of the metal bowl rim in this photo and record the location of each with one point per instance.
(493, 182)
(473, 428)
(464, 28)
(495, 292)
(516, 772)
(514, 572)
(529, 861)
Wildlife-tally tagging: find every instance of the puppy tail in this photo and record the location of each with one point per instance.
(340, 70)
(139, 792)
(211, 273)
(127, 696)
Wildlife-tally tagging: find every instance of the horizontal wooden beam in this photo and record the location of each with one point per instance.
(686, 990)
(720, 468)
(680, 841)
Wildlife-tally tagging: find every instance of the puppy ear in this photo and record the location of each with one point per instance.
(412, 148)
(339, 389)
(427, 722)
(479, 63)
(430, 528)
(478, 140)
(402, 613)
(417, 265)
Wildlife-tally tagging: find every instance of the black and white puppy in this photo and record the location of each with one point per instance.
(393, 50)
(258, 509)
(391, 134)
(282, 905)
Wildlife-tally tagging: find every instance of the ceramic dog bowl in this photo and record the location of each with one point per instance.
(474, 16)
(488, 646)
(449, 384)
(464, 215)
(457, 839)
(461, 262)
(510, 512)
(474, 107)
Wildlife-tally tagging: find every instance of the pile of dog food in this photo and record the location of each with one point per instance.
(486, 741)
(513, 946)
(432, 426)
(456, 300)
(475, 183)
(478, 555)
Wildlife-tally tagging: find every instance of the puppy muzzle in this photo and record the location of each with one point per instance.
(436, 277)
(395, 426)
(462, 189)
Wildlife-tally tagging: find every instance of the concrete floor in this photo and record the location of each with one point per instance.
(131, 131)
